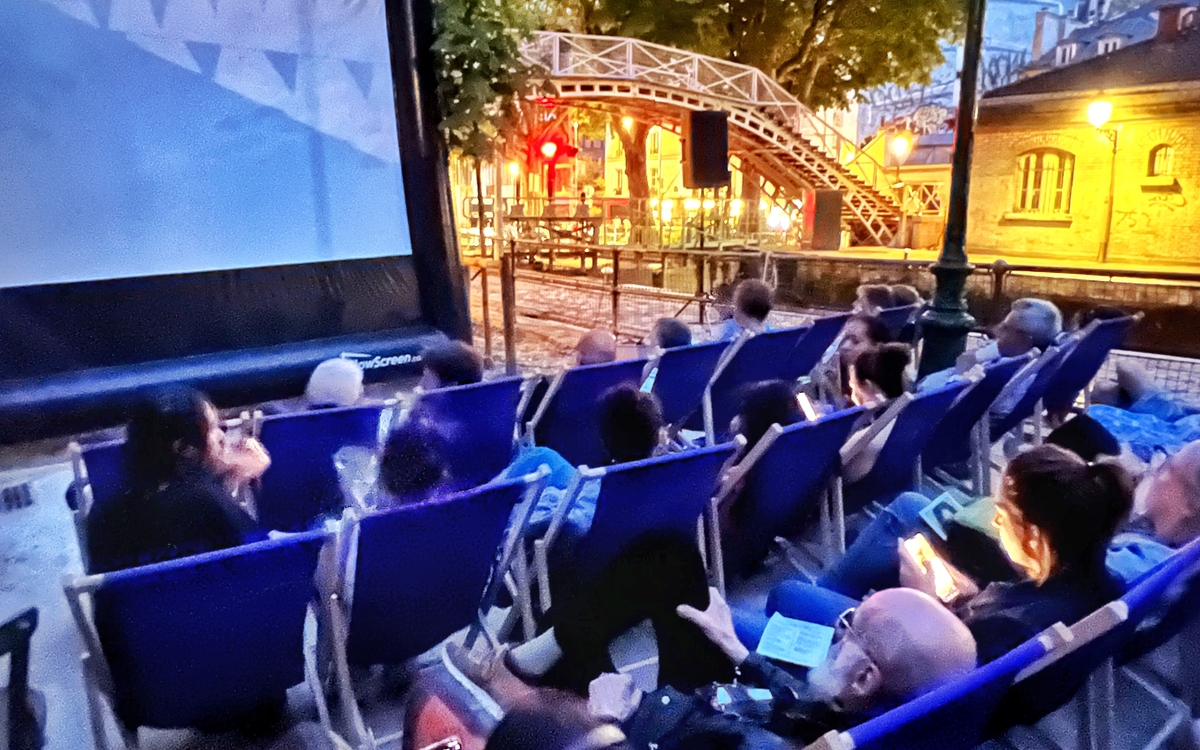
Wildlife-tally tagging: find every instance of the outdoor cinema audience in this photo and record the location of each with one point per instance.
(893, 647)
(1054, 519)
(1032, 325)
(752, 303)
(448, 364)
(669, 333)
(184, 473)
(596, 347)
(876, 378)
(335, 383)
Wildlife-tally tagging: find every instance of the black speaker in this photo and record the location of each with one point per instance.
(827, 220)
(706, 149)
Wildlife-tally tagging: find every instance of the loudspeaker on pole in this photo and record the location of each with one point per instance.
(705, 143)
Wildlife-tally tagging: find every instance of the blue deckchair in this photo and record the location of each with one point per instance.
(895, 318)
(959, 436)
(1081, 364)
(680, 377)
(665, 493)
(101, 476)
(566, 418)
(897, 467)
(482, 422)
(419, 575)
(1030, 403)
(1086, 659)
(750, 359)
(196, 641)
(781, 482)
(809, 350)
(302, 482)
(951, 717)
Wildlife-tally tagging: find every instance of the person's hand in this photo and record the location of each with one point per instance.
(245, 462)
(716, 623)
(613, 697)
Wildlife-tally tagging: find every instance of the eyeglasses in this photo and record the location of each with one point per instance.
(843, 629)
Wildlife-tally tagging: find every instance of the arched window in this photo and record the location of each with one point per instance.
(1044, 182)
(1162, 159)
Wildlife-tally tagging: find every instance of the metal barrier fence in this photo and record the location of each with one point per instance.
(626, 289)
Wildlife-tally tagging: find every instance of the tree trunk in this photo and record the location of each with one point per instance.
(633, 143)
(750, 221)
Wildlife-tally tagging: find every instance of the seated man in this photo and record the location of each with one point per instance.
(596, 347)
(448, 364)
(1032, 325)
(334, 383)
(752, 302)
(871, 298)
(894, 647)
(669, 333)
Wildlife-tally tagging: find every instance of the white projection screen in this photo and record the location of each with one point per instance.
(149, 137)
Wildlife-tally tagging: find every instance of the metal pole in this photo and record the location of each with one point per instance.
(616, 289)
(487, 316)
(508, 304)
(945, 322)
(1112, 134)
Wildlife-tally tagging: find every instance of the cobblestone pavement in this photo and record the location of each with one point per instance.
(554, 311)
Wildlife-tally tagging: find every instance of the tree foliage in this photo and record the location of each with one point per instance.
(824, 51)
(481, 77)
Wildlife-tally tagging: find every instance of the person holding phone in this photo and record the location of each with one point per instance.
(184, 475)
(1055, 518)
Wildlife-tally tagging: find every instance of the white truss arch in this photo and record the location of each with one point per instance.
(782, 139)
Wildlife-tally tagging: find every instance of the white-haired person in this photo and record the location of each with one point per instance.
(1032, 325)
(334, 383)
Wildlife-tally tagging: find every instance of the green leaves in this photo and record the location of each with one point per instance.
(481, 76)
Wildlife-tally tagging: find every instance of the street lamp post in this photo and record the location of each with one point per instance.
(945, 322)
(1099, 113)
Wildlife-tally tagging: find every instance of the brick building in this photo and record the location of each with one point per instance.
(1040, 182)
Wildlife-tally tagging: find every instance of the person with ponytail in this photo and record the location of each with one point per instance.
(1054, 520)
(183, 476)
(1055, 516)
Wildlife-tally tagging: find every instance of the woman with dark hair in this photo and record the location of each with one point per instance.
(766, 403)
(832, 376)
(412, 466)
(183, 476)
(1054, 520)
(876, 378)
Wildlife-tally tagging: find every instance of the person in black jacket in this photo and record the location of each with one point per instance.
(183, 476)
(1055, 518)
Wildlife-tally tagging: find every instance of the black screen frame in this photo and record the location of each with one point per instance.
(59, 374)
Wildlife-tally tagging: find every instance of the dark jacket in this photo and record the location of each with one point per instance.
(678, 721)
(1005, 615)
(190, 514)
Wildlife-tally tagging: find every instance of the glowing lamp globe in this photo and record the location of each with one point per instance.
(549, 149)
(900, 145)
(1099, 113)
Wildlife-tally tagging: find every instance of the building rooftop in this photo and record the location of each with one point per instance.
(1142, 64)
(1136, 25)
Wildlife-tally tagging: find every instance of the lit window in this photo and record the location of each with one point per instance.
(1065, 53)
(1044, 182)
(1110, 44)
(1161, 160)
